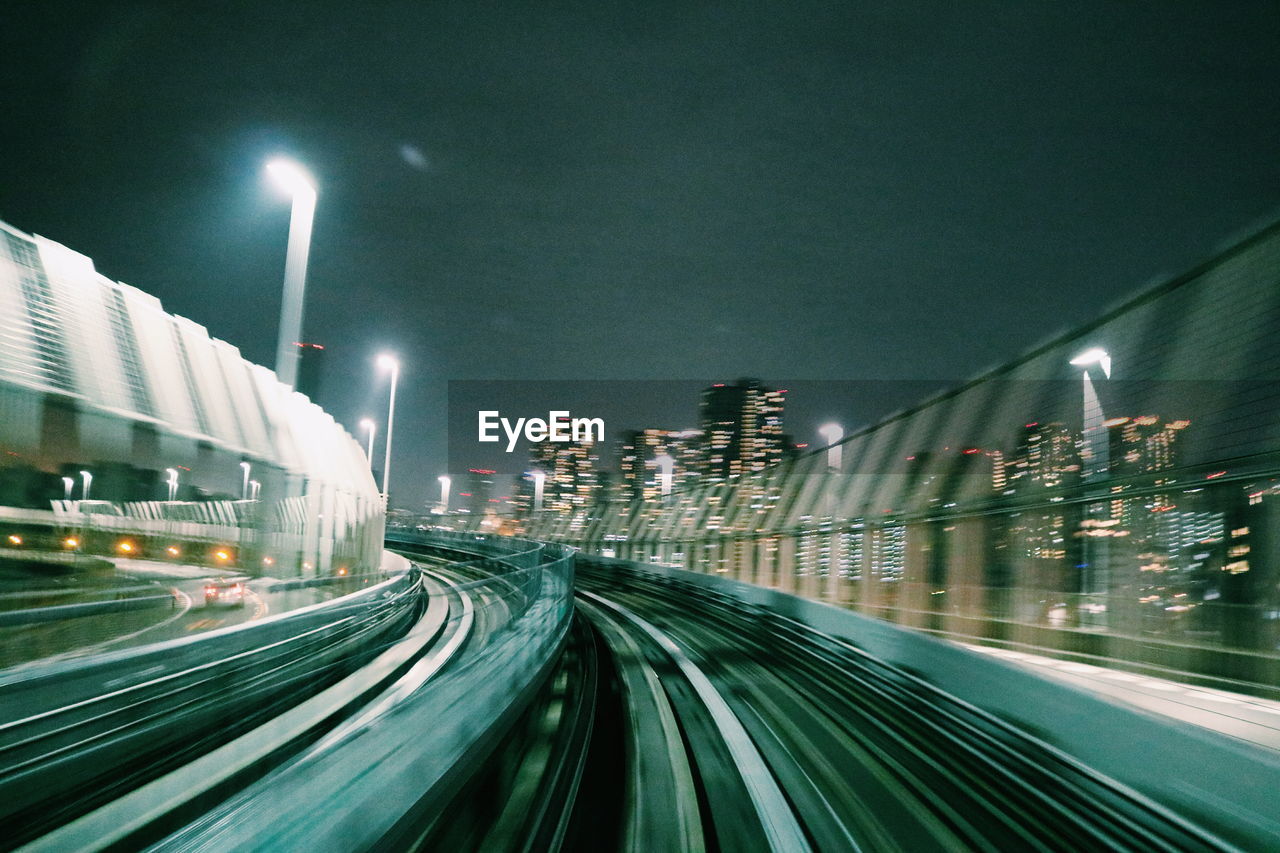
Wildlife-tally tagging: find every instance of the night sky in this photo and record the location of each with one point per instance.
(610, 190)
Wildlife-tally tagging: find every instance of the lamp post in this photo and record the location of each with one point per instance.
(254, 489)
(1095, 433)
(832, 433)
(87, 480)
(666, 468)
(1098, 443)
(368, 425)
(445, 483)
(68, 483)
(294, 180)
(244, 485)
(173, 483)
(386, 362)
(539, 482)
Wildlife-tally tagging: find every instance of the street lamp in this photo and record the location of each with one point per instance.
(539, 481)
(87, 479)
(445, 482)
(1094, 355)
(370, 427)
(244, 485)
(1098, 443)
(833, 433)
(68, 483)
(666, 467)
(294, 180)
(254, 489)
(1094, 426)
(386, 362)
(173, 483)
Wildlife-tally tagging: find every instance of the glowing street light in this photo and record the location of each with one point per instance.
(68, 483)
(445, 483)
(832, 433)
(1095, 430)
(173, 483)
(1094, 355)
(386, 362)
(539, 482)
(244, 485)
(1096, 560)
(294, 180)
(254, 489)
(368, 425)
(87, 480)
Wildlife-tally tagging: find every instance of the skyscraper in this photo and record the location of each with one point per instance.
(1046, 458)
(741, 428)
(573, 476)
(640, 449)
(310, 369)
(477, 490)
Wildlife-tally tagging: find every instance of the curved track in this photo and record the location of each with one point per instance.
(868, 756)
(464, 706)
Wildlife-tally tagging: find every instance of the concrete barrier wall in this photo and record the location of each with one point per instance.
(1222, 782)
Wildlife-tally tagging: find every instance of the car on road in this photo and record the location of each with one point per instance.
(227, 592)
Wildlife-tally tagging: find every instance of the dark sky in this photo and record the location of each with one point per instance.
(611, 190)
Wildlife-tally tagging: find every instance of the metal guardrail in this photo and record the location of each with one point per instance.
(404, 757)
(82, 733)
(94, 751)
(57, 612)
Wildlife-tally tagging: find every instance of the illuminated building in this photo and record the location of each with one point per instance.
(573, 476)
(742, 428)
(1143, 444)
(310, 369)
(641, 447)
(1046, 458)
(477, 492)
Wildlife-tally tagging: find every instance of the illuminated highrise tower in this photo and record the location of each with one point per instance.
(741, 428)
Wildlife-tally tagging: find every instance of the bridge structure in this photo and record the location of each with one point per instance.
(902, 645)
(128, 427)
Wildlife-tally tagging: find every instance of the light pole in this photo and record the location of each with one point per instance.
(254, 489)
(294, 180)
(445, 482)
(87, 479)
(833, 433)
(370, 427)
(666, 468)
(244, 485)
(173, 483)
(68, 483)
(1098, 442)
(539, 481)
(1095, 432)
(386, 362)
